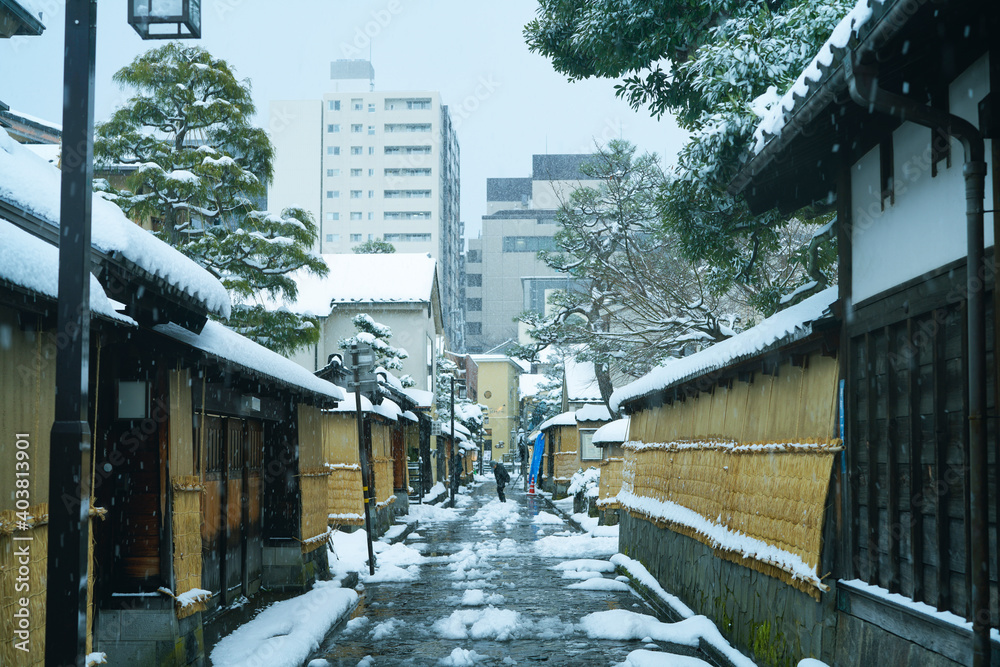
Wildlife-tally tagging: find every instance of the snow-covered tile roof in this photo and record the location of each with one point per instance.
(613, 432)
(376, 278)
(348, 404)
(411, 416)
(581, 382)
(224, 343)
(829, 57)
(781, 328)
(594, 412)
(562, 419)
(30, 183)
(33, 264)
(388, 409)
(423, 399)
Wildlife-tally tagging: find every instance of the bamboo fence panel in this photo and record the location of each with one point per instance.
(345, 502)
(12, 575)
(186, 520)
(611, 483)
(785, 405)
(313, 474)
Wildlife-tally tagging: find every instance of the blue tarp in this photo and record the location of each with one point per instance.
(536, 456)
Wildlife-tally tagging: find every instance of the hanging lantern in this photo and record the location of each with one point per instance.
(165, 19)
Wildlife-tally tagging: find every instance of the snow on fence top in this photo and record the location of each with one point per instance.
(387, 409)
(30, 183)
(349, 404)
(593, 412)
(564, 419)
(33, 264)
(781, 328)
(376, 278)
(224, 343)
(779, 111)
(615, 432)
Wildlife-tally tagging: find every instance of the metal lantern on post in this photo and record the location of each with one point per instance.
(70, 443)
(165, 19)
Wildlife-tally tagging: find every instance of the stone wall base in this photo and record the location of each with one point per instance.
(150, 637)
(286, 568)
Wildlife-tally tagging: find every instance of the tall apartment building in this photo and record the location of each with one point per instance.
(372, 165)
(503, 275)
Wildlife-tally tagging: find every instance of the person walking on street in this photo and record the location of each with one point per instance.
(502, 477)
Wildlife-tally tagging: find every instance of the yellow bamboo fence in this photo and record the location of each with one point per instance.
(382, 462)
(757, 498)
(313, 479)
(566, 445)
(345, 501)
(611, 483)
(27, 378)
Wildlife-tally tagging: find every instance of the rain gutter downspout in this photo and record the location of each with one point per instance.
(864, 90)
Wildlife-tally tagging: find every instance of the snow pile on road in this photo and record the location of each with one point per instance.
(472, 563)
(555, 546)
(495, 512)
(432, 514)
(386, 629)
(644, 658)
(599, 583)
(286, 633)
(621, 624)
(639, 572)
(349, 553)
(355, 625)
(546, 518)
(489, 623)
(394, 563)
(581, 574)
(461, 657)
(585, 564)
(476, 597)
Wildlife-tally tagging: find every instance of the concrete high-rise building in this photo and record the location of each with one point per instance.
(503, 275)
(374, 165)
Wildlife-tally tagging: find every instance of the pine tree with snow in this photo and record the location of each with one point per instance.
(715, 65)
(377, 335)
(374, 247)
(197, 170)
(468, 413)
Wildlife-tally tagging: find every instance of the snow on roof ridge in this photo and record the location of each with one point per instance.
(221, 341)
(581, 381)
(32, 184)
(774, 120)
(33, 264)
(374, 278)
(562, 419)
(782, 327)
(616, 431)
(593, 412)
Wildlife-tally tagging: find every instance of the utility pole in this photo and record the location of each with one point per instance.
(358, 357)
(454, 447)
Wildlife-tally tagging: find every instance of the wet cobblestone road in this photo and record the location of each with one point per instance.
(486, 588)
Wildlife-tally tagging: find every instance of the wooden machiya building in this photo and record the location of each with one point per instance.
(894, 128)
(208, 481)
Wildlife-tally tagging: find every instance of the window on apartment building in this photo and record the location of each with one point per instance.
(355, 215)
(536, 291)
(333, 194)
(355, 150)
(333, 127)
(407, 150)
(332, 172)
(408, 238)
(371, 108)
(474, 305)
(407, 194)
(407, 215)
(334, 105)
(407, 127)
(355, 238)
(333, 150)
(371, 150)
(474, 257)
(333, 238)
(371, 172)
(407, 103)
(474, 279)
(355, 194)
(371, 216)
(356, 172)
(371, 130)
(332, 216)
(473, 328)
(408, 171)
(356, 128)
(357, 104)
(528, 243)
(371, 194)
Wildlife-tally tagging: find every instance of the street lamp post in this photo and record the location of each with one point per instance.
(454, 447)
(70, 442)
(362, 360)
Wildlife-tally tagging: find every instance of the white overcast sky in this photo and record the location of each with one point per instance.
(508, 103)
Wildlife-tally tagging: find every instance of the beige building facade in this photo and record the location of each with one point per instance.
(499, 390)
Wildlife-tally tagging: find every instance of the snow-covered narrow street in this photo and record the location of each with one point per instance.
(495, 583)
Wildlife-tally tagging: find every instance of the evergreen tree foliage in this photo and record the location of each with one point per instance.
(198, 167)
(468, 413)
(374, 247)
(717, 66)
(377, 335)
